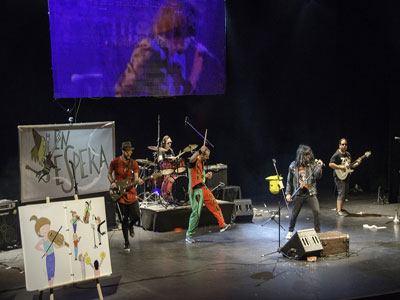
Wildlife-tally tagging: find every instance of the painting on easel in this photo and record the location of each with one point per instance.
(64, 242)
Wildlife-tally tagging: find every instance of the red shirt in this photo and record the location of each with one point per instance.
(196, 172)
(122, 170)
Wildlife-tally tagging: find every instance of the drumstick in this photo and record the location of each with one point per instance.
(205, 138)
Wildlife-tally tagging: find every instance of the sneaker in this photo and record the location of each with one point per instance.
(189, 240)
(289, 235)
(127, 248)
(225, 227)
(131, 232)
(340, 213)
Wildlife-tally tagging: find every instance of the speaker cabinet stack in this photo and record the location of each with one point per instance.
(9, 225)
(303, 243)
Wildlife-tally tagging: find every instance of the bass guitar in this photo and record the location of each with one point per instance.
(342, 175)
(124, 186)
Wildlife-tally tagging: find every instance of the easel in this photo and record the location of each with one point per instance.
(97, 280)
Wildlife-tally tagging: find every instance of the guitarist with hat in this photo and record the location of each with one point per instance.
(341, 164)
(125, 169)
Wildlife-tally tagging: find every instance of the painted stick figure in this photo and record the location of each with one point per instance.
(96, 265)
(48, 239)
(82, 258)
(99, 223)
(74, 220)
(88, 208)
(76, 241)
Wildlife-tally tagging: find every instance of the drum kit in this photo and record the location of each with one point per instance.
(173, 182)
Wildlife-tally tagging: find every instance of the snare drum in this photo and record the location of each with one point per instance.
(166, 167)
(174, 189)
(180, 166)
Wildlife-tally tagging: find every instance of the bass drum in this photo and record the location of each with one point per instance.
(174, 189)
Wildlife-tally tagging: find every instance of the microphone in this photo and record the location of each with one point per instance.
(321, 164)
(274, 161)
(397, 137)
(186, 120)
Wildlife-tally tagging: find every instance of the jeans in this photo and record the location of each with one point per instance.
(130, 215)
(298, 204)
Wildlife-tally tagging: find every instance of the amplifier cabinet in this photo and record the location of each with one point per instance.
(220, 174)
(9, 225)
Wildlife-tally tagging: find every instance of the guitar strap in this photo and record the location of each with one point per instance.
(132, 169)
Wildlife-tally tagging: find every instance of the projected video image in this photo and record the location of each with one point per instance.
(134, 48)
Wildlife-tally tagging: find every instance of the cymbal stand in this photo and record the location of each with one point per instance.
(154, 196)
(143, 173)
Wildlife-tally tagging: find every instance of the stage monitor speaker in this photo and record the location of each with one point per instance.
(220, 174)
(243, 211)
(9, 225)
(303, 243)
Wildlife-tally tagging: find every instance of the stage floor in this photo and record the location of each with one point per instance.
(243, 263)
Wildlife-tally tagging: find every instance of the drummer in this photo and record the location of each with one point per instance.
(169, 153)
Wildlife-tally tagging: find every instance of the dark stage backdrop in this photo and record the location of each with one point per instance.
(297, 72)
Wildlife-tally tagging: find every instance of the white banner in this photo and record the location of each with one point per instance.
(50, 155)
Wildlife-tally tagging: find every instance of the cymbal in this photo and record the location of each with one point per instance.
(156, 174)
(146, 162)
(167, 172)
(191, 147)
(155, 148)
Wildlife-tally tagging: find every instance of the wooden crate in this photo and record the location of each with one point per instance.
(334, 242)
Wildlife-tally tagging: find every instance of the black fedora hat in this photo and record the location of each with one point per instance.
(127, 146)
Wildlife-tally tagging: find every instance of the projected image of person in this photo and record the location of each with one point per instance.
(303, 175)
(171, 61)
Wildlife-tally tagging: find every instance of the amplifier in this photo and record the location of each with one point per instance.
(9, 225)
(220, 174)
(7, 204)
(229, 193)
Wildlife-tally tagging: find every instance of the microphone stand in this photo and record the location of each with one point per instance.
(188, 123)
(279, 213)
(279, 210)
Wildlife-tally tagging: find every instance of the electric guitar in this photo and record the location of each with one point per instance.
(342, 175)
(123, 186)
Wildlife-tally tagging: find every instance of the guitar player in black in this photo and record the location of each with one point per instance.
(338, 161)
(121, 168)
